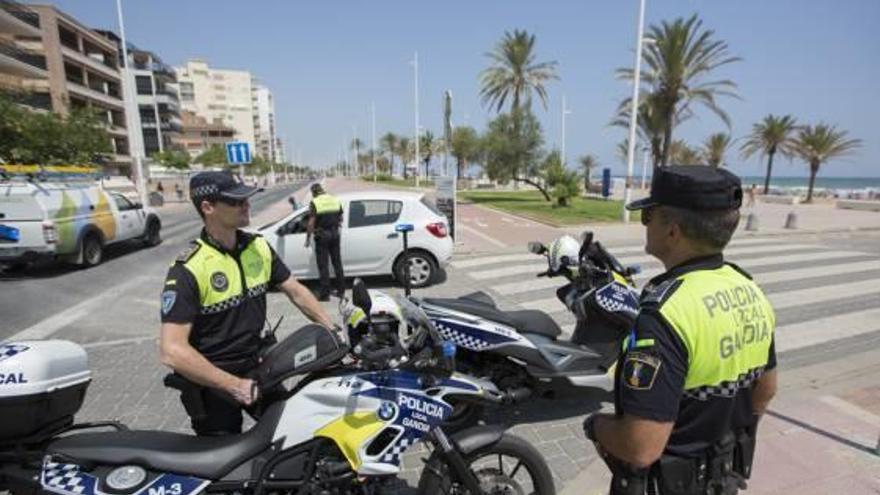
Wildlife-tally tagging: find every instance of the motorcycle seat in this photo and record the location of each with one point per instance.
(524, 321)
(208, 458)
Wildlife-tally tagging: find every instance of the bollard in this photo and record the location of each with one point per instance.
(752, 222)
(791, 220)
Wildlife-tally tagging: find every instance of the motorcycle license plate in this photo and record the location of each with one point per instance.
(8, 233)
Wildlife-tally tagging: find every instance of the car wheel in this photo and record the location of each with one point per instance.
(422, 269)
(91, 251)
(153, 235)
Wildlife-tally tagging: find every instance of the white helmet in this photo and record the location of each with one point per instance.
(385, 316)
(563, 252)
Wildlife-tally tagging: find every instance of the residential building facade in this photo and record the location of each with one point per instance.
(70, 67)
(155, 96)
(264, 122)
(198, 135)
(219, 96)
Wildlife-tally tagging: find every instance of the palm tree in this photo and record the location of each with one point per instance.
(714, 148)
(588, 162)
(677, 65)
(464, 146)
(651, 124)
(681, 153)
(819, 144)
(405, 151)
(427, 145)
(388, 144)
(514, 74)
(769, 136)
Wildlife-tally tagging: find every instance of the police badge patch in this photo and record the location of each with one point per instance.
(168, 298)
(640, 370)
(219, 281)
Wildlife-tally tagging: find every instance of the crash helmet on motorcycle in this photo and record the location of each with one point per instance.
(384, 321)
(563, 252)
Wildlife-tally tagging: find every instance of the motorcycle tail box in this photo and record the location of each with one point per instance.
(42, 385)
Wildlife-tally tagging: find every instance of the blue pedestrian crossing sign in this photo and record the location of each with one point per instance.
(238, 153)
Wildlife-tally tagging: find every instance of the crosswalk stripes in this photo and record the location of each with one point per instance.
(796, 271)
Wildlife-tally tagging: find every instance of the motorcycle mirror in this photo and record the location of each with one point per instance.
(536, 247)
(586, 241)
(360, 297)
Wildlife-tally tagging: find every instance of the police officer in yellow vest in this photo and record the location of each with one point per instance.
(324, 221)
(699, 368)
(214, 305)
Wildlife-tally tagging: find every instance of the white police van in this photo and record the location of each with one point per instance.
(67, 220)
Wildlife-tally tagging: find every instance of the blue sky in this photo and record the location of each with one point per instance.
(327, 61)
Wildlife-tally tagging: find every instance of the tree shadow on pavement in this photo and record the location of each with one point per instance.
(48, 268)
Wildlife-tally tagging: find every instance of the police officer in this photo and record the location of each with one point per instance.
(699, 368)
(214, 305)
(325, 218)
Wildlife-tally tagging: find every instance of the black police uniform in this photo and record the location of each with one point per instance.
(327, 211)
(703, 336)
(222, 293)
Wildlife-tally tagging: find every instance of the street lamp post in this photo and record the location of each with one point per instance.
(631, 145)
(373, 150)
(132, 117)
(416, 83)
(565, 111)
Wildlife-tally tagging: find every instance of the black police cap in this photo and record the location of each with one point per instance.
(694, 187)
(213, 185)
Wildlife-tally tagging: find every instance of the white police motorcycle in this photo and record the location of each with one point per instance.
(341, 429)
(521, 351)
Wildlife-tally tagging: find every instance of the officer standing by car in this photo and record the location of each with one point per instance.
(699, 368)
(214, 305)
(325, 220)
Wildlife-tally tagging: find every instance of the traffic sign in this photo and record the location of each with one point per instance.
(238, 153)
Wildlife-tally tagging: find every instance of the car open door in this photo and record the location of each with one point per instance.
(369, 241)
(290, 245)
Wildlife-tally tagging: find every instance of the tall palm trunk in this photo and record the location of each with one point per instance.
(459, 163)
(770, 155)
(814, 169)
(667, 141)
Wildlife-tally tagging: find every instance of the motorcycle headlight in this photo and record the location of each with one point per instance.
(126, 477)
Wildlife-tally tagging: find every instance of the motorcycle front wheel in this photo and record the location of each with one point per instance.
(509, 466)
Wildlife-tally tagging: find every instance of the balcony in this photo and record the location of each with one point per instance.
(15, 61)
(91, 94)
(17, 19)
(91, 63)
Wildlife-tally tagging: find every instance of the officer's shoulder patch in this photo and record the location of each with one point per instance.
(739, 269)
(189, 252)
(660, 293)
(640, 370)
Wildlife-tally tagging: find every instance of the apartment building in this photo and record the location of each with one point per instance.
(155, 94)
(198, 135)
(264, 122)
(219, 96)
(61, 65)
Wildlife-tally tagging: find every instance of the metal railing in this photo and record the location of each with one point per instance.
(21, 12)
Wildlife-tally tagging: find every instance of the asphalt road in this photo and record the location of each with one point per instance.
(41, 292)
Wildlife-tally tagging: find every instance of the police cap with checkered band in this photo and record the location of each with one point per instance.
(214, 185)
(692, 187)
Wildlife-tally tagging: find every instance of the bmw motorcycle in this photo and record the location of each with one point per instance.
(521, 351)
(340, 429)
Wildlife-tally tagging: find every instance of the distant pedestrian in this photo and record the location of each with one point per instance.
(325, 218)
(160, 188)
(751, 200)
(178, 191)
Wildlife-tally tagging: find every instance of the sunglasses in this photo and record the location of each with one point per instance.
(648, 215)
(232, 202)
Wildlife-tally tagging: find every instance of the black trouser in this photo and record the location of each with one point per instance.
(327, 245)
(222, 416)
